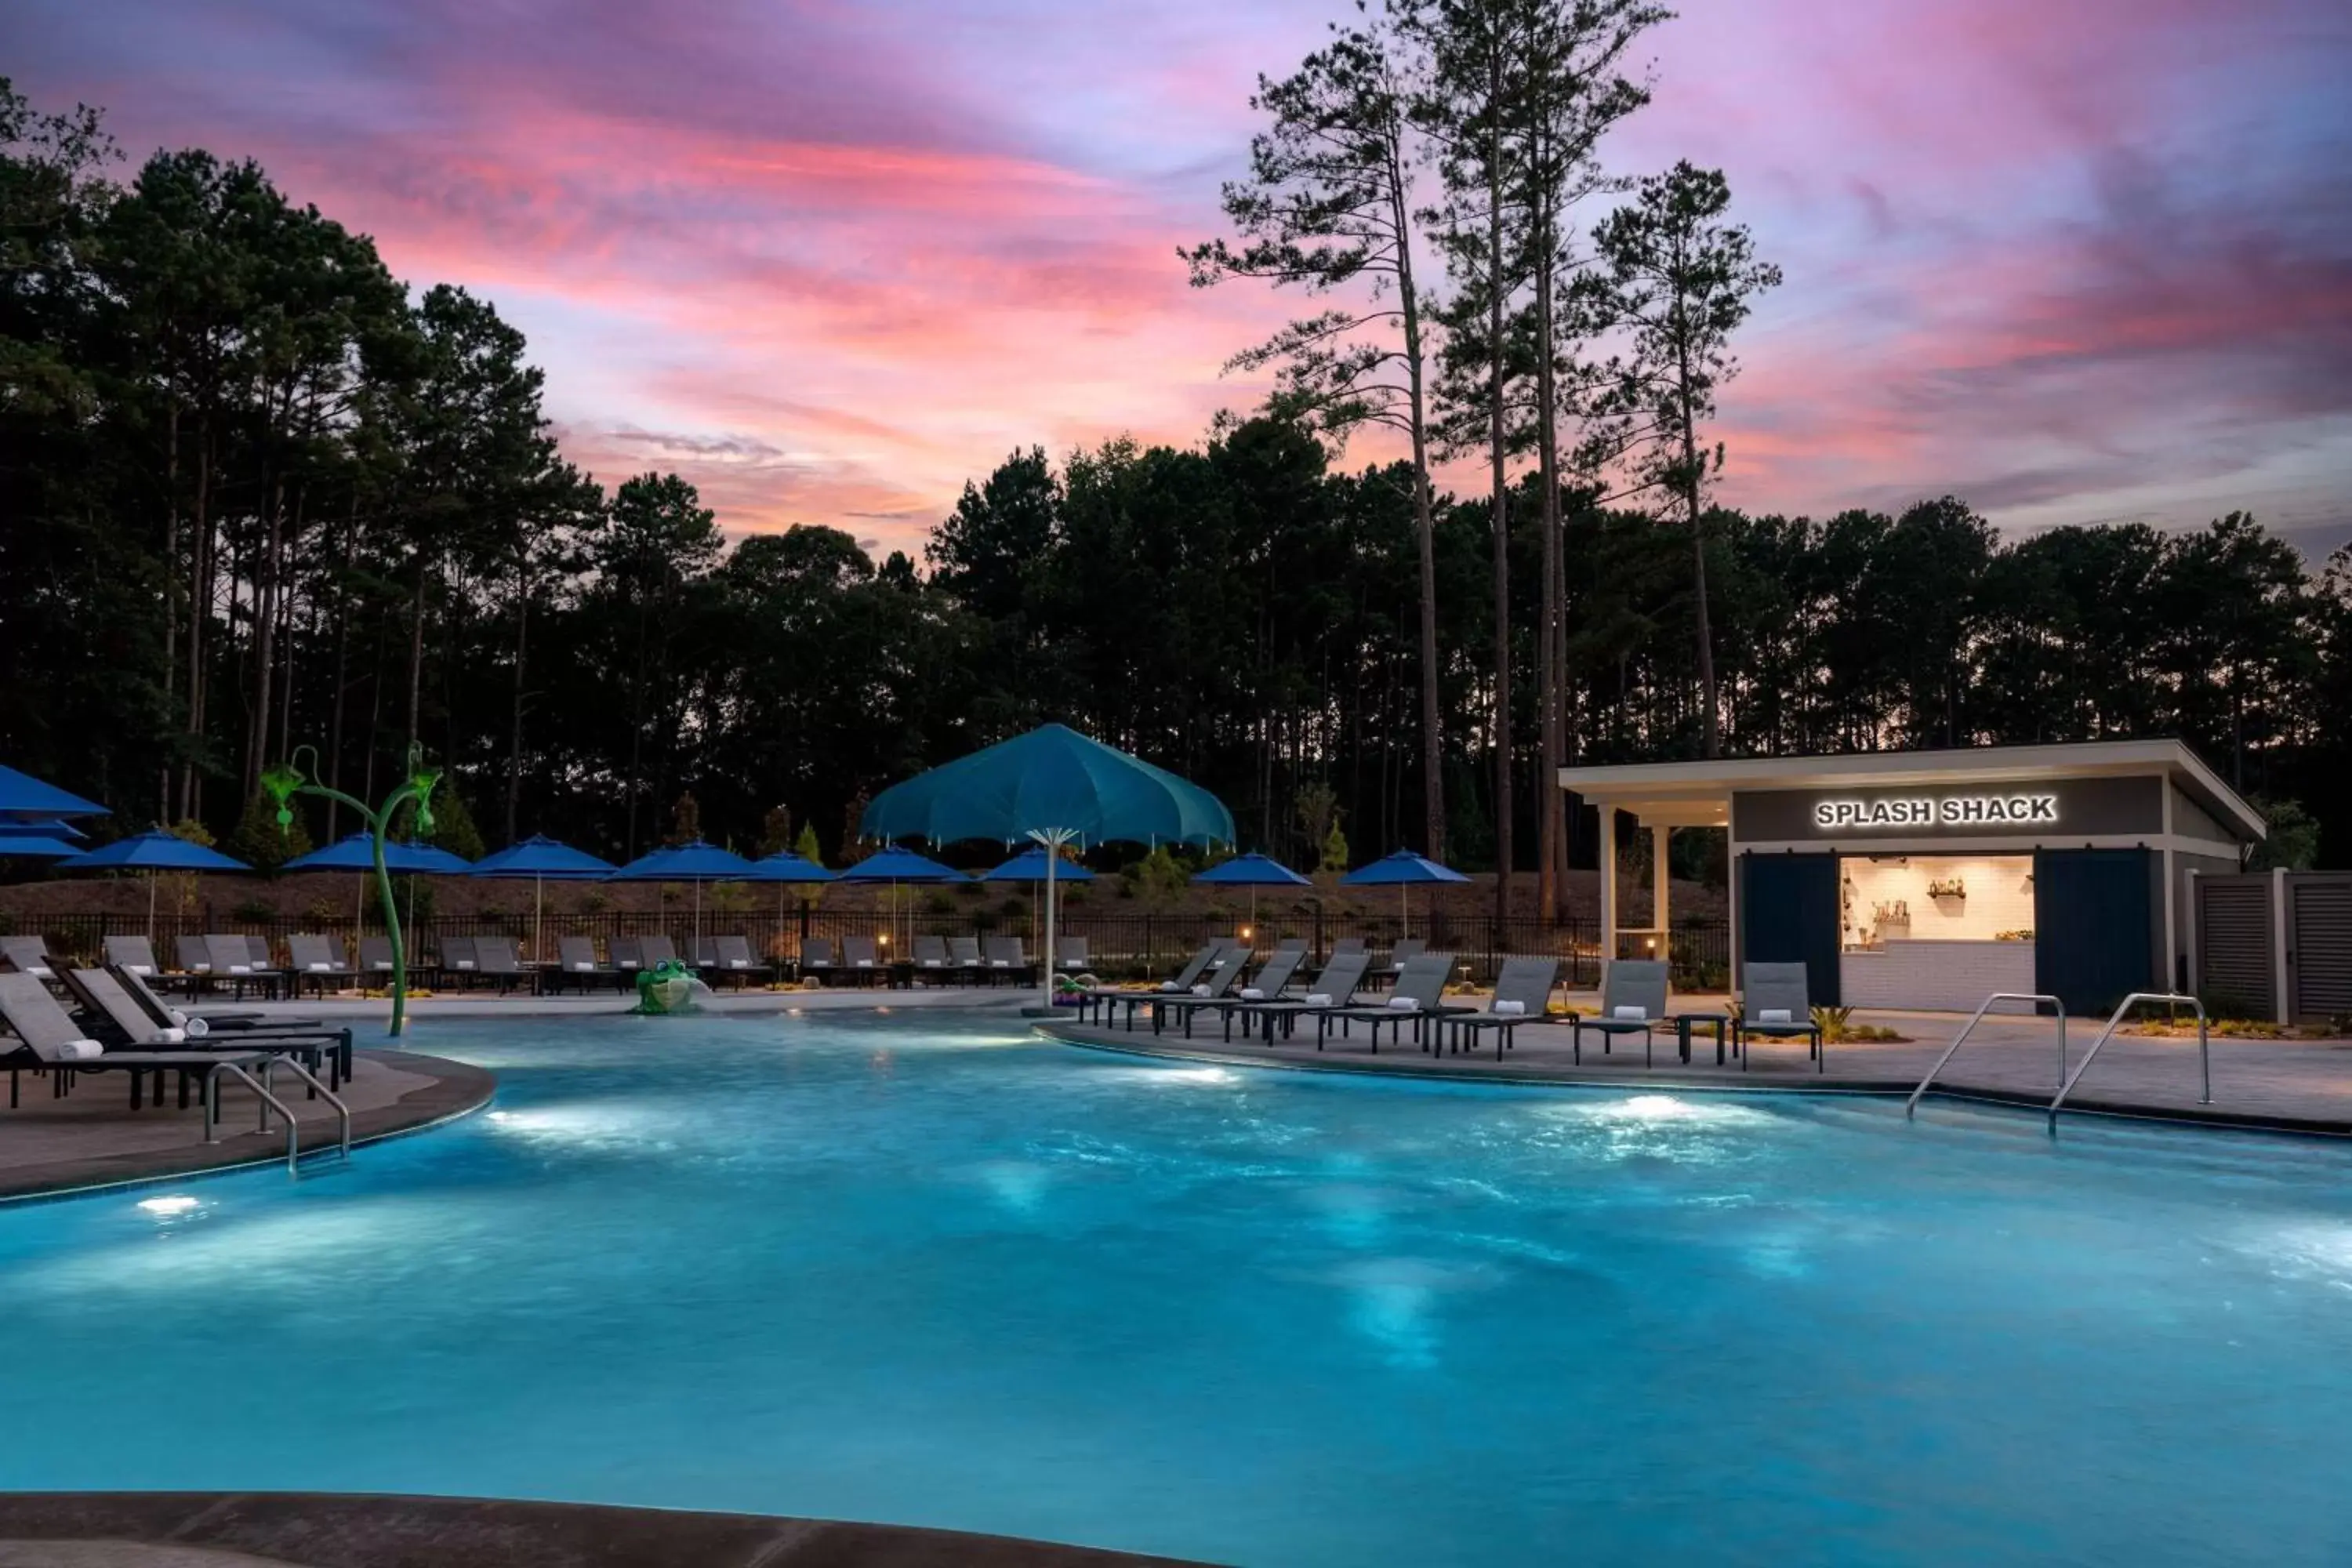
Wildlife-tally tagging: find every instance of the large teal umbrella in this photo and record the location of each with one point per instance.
(1056, 787)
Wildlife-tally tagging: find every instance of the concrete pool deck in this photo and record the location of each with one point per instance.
(326, 1529)
(2291, 1086)
(92, 1139)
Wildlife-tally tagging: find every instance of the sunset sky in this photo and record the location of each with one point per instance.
(2073, 261)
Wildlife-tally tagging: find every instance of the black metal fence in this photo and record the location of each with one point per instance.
(1119, 943)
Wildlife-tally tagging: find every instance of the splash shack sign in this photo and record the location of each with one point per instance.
(1937, 811)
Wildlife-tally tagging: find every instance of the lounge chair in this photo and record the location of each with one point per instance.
(458, 960)
(1222, 981)
(109, 1006)
(576, 965)
(963, 956)
(1632, 1002)
(30, 955)
(1333, 989)
(931, 961)
(194, 957)
(1291, 945)
(1070, 954)
(1774, 1001)
(235, 961)
(656, 950)
(500, 962)
(135, 954)
(735, 960)
(1522, 993)
(861, 962)
(48, 1039)
(818, 962)
(1103, 998)
(1419, 997)
(1267, 986)
(163, 1015)
(318, 962)
(1346, 944)
(1406, 950)
(375, 959)
(628, 957)
(1008, 959)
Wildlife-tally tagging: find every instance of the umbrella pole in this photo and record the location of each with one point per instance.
(538, 939)
(151, 912)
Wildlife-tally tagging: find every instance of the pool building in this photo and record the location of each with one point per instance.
(1931, 880)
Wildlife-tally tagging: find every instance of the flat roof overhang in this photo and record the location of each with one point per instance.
(1698, 793)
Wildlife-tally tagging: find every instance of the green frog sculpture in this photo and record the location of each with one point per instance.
(668, 987)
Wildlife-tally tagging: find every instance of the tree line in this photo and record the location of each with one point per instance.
(256, 494)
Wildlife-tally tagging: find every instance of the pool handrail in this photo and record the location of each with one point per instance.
(1911, 1106)
(270, 1101)
(2204, 1046)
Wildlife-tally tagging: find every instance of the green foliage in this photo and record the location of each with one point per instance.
(1333, 857)
(806, 846)
(453, 824)
(1157, 878)
(2292, 842)
(260, 842)
(252, 911)
(775, 831)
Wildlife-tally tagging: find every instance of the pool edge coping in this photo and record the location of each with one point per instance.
(1079, 1035)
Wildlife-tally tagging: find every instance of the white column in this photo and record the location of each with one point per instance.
(1658, 877)
(1608, 886)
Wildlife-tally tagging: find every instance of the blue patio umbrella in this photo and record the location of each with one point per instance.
(1029, 866)
(540, 857)
(152, 853)
(1403, 871)
(23, 795)
(697, 863)
(1057, 787)
(42, 828)
(20, 845)
(1253, 871)
(786, 868)
(356, 852)
(894, 865)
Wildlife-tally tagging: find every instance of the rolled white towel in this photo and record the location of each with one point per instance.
(1319, 998)
(1774, 1015)
(579, 968)
(40, 971)
(1404, 1003)
(1252, 994)
(1510, 1009)
(628, 963)
(320, 968)
(140, 970)
(197, 1028)
(177, 1017)
(171, 1038)
(383, 965)
(865, 963)
(465, 963)
(1200, 991)
(80, 1051)
(1630, 1014)
(739, 963)
(247, 968)
(1000, 964)
(1169, 985)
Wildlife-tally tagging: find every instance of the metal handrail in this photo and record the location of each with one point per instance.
(1911, 1106)
(2204, 1046)
(270, 1103)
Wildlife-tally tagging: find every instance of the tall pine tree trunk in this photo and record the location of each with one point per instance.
(342, 655)
(1505, 857)
(514, 739)
(1711, 708)
(1553, 815)
(171, 595)
(1432, 733)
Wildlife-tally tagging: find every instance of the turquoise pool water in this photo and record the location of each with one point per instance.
(928, 1270)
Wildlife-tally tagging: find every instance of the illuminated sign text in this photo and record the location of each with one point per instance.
(1939, 811)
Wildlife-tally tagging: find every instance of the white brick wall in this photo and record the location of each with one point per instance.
(1938, 976)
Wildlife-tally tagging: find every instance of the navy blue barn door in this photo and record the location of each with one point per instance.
(1790, 913)
(2094, 913)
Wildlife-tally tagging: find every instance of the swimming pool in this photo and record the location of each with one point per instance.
(930, 1270)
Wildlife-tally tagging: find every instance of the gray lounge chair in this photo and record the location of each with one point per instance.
(1070, 954)
(1099, 1002)
(656, 949)
(1008, 962)
(1776, 1002)
(628, 956)
(862, 961)
(1222, 981)
(576, 964)
(1266, 986)
(1632, 1002)
(1522, 992)
(235, 963)
(499, 962)
(817, 961)
(1406, 950)
(47, 1038)
(1333, 989)
(931, 960)
(1346, 944)
(163, 1015)
(30, 955)
(963, 956)
(135, 954)
(318, 962)
(109, 1005)
(194, 957)
(1419, 996)
(375, 958)
(734, 960)
(457, 961)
